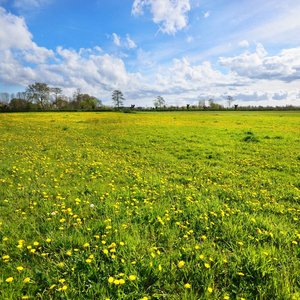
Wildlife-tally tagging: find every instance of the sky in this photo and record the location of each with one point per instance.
(182, 50)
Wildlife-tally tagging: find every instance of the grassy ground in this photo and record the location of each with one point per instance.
(201, 205)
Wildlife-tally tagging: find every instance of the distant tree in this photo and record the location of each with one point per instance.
(229, 100)
(4, 97)
(117, 97)
(39, 93)
(56, 92)
(211, 103)
(201, 103)
(18, 104)
(159, 102)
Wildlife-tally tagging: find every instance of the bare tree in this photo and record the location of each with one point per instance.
(229, 100)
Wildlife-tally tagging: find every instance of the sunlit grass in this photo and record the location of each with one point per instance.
(199, 205)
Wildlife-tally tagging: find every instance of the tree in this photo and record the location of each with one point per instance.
(117, 97)
(229, 100)
(57, 92)
(18, 104)
(159, 102)
(201, 103)
(39, 93)
(4, 97)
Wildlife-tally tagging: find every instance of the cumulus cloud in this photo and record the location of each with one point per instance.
(16, 41)
(130, 43)
(171, 15)
(124, 42)
(116, 39)
(244, 43)
(258, 65)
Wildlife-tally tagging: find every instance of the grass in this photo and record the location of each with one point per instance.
(170, 205)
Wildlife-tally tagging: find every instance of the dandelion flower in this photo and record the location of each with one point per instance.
(20, 268)
(9, 279)
(210, 290)
(181, 264)
(132, 277)
(27, 279)
(206, 265)
(110, 279)
(187, 286)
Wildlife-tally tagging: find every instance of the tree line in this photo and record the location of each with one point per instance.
(39, 96)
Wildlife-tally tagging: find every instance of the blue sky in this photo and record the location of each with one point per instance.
(183, 50)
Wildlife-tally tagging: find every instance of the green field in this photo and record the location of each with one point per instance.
(168, 205)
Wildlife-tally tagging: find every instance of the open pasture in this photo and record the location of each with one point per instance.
(194, 205)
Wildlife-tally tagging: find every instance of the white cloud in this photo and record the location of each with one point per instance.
(116, 39)
(285, 66)
(16, 40)
(29, 4)
(244, 43)
(171, 15)
(130, 43)
(120, 42)
(190, 39)
(207, 14)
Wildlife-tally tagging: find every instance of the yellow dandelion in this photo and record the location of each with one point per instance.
(181, 264)
(9, 279)
(20, 268)
(110, 280)
(187, 286)
(132, 277)
(206, 265)
(86, 245)
(27, 279)
(210, 290)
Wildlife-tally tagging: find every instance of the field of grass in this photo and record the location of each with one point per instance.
(198, 205)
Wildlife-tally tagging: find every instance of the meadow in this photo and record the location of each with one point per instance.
(155, 205)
